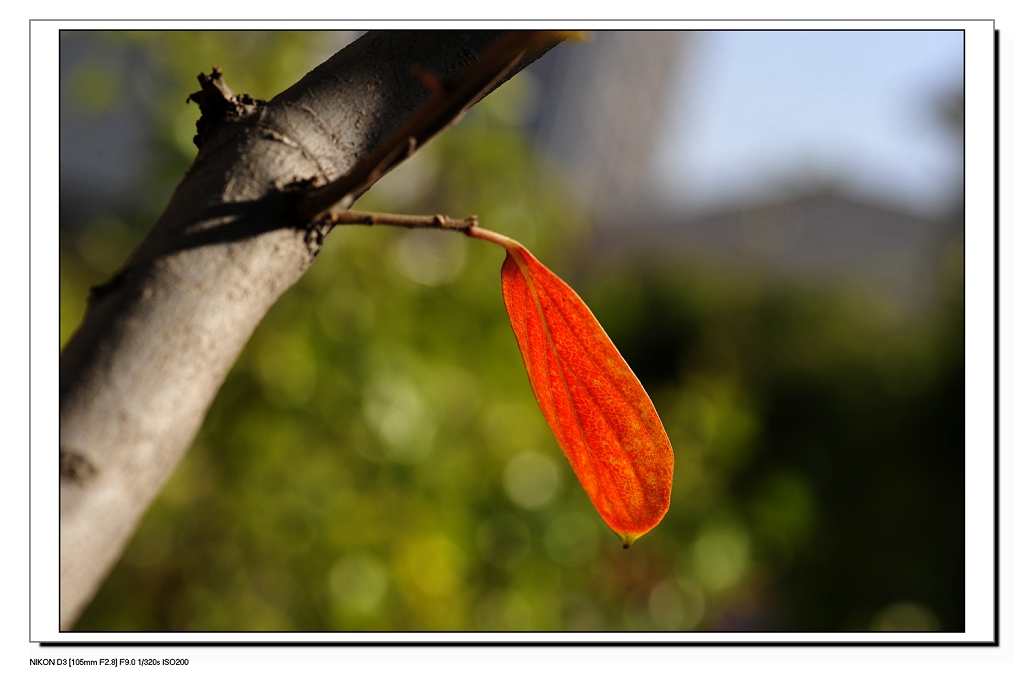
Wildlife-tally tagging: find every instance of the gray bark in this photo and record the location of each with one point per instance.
(157, 342)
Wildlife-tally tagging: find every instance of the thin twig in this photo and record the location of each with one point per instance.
(439, 222)
(469, 226)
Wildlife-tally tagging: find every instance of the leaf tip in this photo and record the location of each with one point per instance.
(628, 540)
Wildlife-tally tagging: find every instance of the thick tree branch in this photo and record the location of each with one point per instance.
(158, 340)
(449, 101)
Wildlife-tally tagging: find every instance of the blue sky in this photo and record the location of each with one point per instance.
(757, 112)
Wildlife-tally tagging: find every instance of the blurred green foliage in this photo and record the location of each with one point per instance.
(376, 460)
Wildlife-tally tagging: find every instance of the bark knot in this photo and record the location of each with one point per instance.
(218, 104)
(75, 466)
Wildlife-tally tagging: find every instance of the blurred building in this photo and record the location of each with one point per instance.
(602, 115)
(818, 234)
(102, 147)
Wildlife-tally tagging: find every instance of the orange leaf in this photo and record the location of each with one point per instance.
(596, 407)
